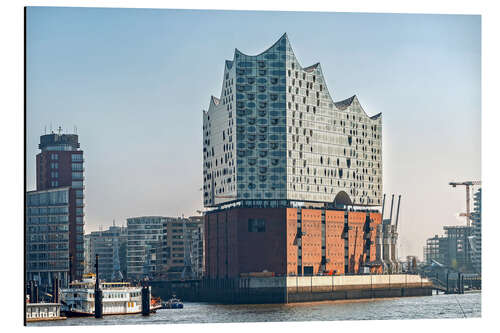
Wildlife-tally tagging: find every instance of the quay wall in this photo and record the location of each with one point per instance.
(347, 282)
(257, 290)
(321, 288)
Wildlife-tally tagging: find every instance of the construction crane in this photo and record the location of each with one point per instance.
(467, 185)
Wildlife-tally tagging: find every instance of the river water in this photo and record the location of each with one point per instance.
(424, 307)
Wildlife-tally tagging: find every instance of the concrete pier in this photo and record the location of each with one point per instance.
(292, 289)
(43, 311)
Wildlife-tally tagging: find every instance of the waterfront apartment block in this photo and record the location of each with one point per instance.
(59, 165)
(275, 134)
(459, 247)
(197, 250)
(180, 249)
(454, 249)
(144, 235)
(111, 246)
(476, 233)
(48, 215)
(436, 250)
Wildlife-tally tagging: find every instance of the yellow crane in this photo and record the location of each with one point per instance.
(467, 185)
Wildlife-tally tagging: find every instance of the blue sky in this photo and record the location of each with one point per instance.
(135, 81)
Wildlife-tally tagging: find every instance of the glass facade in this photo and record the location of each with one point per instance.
(276, 134)
(47, 235)
(144, 236)
(476, 232)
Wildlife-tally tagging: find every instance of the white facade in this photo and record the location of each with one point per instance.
(276, 134)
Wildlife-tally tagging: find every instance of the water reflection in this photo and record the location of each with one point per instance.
(426, 307)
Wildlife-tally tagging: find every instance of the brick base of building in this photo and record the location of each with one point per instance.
(288, 241)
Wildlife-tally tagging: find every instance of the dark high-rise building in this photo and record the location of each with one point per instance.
(60, 164)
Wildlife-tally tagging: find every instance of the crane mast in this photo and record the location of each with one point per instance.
(467, 185)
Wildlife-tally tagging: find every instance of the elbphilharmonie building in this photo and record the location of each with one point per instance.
(275, 136)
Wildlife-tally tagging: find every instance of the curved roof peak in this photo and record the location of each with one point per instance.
(311, 68)
(214, 100)
(283, 37)
(344, 104)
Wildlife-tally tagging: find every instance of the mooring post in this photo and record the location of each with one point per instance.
(35, 292)
(55, 290)
(97, 291)
(145, 299)
(30, 287)
(447, 282)
(70, 268)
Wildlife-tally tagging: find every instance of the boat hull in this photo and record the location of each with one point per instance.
(73, 313)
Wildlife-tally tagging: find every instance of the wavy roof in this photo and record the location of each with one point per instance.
(341, 105)
(284, 36)
(311, 68)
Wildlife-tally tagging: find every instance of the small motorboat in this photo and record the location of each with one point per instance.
(173, 303)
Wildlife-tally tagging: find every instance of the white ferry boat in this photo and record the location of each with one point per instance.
(117, 298)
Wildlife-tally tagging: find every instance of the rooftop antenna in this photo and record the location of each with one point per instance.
(113, 222)
(51, 131)
(59, 129)
(45, 129)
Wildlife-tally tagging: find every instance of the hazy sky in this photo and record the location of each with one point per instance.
(135, 82)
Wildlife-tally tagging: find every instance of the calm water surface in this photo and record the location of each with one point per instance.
(425, 307)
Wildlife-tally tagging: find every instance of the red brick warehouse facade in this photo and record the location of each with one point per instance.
(288, 241)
